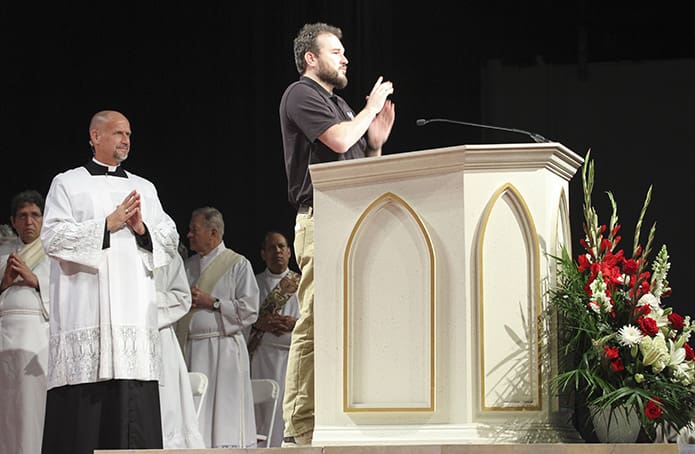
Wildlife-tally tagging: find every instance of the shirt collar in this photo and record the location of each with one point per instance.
(95, 167)
(205, 260)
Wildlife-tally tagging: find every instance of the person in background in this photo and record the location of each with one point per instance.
(224, 304)
(105, 231)
(23, 329)
(318, 126)
(270, 336)
(179, 420)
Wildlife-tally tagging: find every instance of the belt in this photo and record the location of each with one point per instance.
(305, 209)
(5, 312)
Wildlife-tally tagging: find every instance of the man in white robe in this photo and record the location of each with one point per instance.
(270, 336)
(23, 329)
(179, 420)
(106, 231)
(225, 303)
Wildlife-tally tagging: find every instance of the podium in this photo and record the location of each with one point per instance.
(431, 275)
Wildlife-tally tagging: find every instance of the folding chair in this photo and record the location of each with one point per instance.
(266, 390)
(199, 386)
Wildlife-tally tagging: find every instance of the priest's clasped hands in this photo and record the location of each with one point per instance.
(127, 213)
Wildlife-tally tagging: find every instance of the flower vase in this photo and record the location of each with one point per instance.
(616, 425)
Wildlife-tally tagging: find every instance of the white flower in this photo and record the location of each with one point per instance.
(677, 355)
(655, 353)
(649, 299)
(658, 315)
(660, 268)
(685, 373)
(595, 307)
(598, 293)
(629, 335)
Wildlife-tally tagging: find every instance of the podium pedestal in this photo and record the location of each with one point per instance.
(431, 273)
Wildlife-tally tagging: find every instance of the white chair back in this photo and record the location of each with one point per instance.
(266, 390)
(199, 386)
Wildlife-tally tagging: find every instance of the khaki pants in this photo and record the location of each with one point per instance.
(298, 404)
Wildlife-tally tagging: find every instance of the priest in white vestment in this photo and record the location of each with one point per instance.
(24, 310)
(106, 231)
(179, 421)
(270, 336)
(225, 303)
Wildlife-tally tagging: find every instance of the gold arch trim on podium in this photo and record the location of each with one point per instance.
(387, 198)
(530, 235)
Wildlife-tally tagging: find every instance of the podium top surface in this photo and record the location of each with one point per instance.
(552, 156)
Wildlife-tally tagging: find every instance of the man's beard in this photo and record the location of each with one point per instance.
(332, 77)
(120, 155)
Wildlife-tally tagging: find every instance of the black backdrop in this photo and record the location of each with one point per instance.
(201, 82)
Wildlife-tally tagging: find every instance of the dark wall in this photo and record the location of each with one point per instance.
(201, 82)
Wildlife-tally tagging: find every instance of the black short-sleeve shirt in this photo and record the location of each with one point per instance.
(307, 110)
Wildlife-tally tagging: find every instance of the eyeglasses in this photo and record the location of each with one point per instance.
(25, 216)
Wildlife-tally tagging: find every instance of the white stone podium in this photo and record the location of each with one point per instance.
(431, 272)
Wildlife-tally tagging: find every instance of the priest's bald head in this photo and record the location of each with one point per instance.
(109, 136)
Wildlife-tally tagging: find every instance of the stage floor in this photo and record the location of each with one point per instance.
(573, 448)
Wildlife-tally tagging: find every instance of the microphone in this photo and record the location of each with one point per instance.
(536, 137)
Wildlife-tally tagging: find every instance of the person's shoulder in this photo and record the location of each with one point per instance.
(71, 174)
(242, 259)
(139, 180)
(301, 87)
(136, 177)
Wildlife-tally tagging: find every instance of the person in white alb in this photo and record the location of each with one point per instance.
(179, 420)
(105, 231)
(24, 269)
(270, 336)
(225, 303)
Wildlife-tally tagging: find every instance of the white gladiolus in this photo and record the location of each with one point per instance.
(598, 293)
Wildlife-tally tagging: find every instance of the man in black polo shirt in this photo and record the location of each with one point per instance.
(319, 126)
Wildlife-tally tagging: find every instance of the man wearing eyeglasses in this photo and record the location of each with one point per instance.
(23, 329)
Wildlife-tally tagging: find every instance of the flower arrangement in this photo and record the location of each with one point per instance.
(622, 346)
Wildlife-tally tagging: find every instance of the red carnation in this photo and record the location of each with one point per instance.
(676, 321)
(648, 326)
(689, 353)
(611, 352)
(617, 365)
(653, 410)
(644, 309)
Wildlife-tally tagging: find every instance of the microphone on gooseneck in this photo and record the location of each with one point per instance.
(536, 137)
